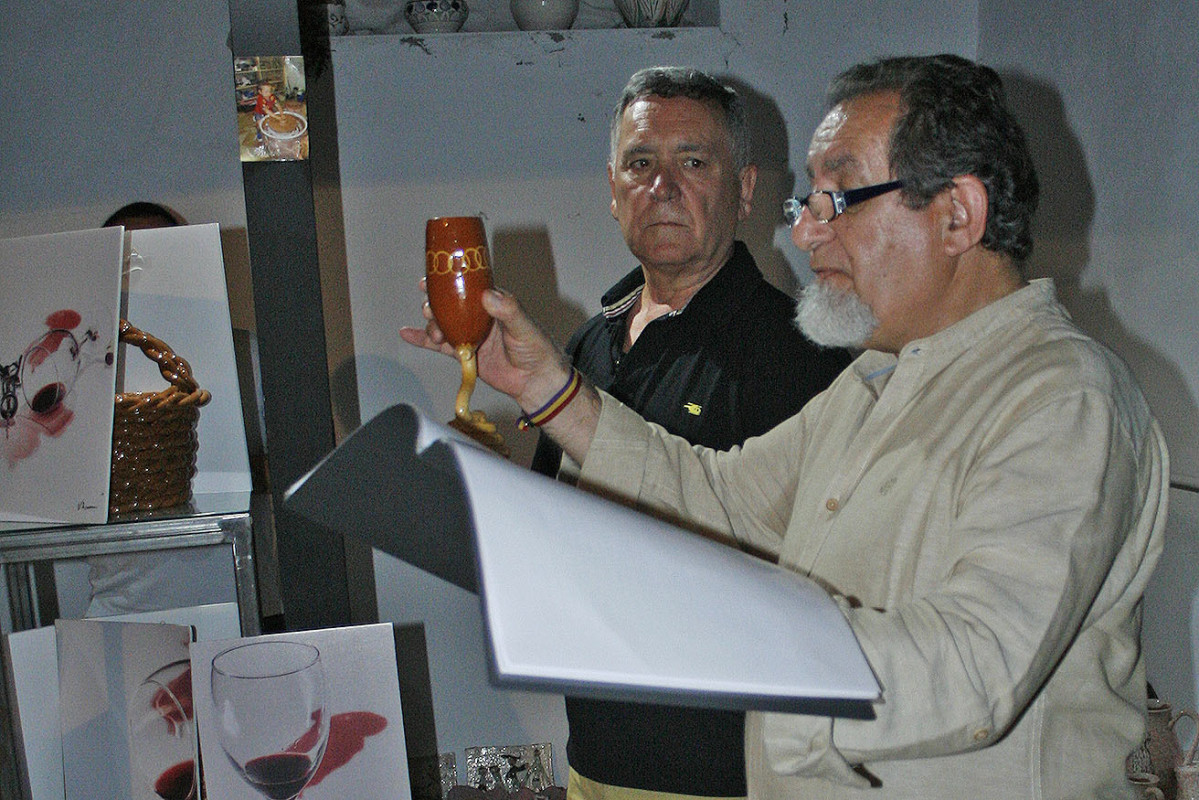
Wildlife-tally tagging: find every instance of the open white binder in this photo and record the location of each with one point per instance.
(582, 595)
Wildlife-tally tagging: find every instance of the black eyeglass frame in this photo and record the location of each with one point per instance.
(794, 206)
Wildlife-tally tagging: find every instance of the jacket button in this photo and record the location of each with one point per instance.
(831, 504)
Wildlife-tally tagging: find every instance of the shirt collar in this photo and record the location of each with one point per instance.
(874, 367)
(716, 297)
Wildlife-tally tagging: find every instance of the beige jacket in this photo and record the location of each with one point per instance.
(988, 507)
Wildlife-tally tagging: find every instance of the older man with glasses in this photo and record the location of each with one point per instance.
(983, 490)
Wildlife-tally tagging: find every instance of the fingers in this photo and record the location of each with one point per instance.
(429, 337)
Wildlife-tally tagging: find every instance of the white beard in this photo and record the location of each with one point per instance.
(834, 318)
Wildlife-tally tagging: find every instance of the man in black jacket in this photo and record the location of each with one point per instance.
(696, 340)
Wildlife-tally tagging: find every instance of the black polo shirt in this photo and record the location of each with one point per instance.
(729, 365)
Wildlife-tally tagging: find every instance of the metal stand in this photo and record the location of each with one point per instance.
(19, 551)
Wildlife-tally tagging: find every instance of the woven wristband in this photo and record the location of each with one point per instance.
(556, 403)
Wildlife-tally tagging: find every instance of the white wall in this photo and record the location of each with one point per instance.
(110, 102)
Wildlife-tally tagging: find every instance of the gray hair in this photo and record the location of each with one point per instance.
(692, 83)
(954, 121)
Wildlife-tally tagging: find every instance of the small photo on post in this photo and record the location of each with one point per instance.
(272, 116)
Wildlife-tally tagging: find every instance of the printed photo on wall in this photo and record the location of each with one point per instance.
(59, 300)
(272, 116)
(312, 714)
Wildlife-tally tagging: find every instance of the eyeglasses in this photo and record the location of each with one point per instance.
(826, 206)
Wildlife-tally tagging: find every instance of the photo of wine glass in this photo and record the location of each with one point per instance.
(271, 716)
(162, 732)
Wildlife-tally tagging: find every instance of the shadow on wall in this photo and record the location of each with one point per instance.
(1062, 232)
(769, 149)
(523, 263)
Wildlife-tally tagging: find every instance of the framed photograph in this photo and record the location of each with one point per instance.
(125, 709)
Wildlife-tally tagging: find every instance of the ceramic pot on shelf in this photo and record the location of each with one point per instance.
(651, 13)
(336, 19)
(372, 16)
(544, 15)
(436, 16)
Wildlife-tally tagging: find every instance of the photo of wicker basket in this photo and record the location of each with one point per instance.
(154, 439)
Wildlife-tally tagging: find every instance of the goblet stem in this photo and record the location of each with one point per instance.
(470, 372)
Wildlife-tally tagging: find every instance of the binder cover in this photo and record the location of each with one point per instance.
(582, 595)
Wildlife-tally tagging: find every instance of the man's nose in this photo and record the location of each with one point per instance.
(808, 232)
(664, 185)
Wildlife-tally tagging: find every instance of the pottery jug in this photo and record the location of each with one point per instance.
(651, 13)
(1186, 774)
(1161, 752)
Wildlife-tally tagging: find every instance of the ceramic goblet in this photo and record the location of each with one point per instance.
(457, 272)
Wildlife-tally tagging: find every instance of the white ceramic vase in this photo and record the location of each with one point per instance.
(651, 13)
(335, 16)
(544, 15)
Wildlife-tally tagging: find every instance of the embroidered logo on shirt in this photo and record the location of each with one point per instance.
(694, 409)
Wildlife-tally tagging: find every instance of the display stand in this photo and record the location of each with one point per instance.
(208, 521)
(21, 550)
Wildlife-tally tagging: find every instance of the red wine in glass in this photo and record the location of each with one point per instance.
(177, 782)
(279, 776)
(270, 713)
(162, 737)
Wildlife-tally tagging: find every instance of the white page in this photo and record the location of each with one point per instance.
(32, 661)
(585, 593)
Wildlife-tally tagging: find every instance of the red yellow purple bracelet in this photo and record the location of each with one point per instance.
(551, 409)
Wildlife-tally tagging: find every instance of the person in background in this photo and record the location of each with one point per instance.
(695, 339)
(141, 214)
(983, 491)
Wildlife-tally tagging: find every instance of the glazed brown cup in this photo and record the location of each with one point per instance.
(457, 271)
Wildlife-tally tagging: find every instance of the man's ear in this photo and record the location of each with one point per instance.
(748, 180)
(967, 214)
(612, 188)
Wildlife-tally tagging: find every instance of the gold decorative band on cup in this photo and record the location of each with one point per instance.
(441, 262)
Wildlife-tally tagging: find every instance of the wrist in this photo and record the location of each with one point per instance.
(539, 414)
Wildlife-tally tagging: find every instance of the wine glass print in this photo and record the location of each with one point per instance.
(271, 715)
(162, 732)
